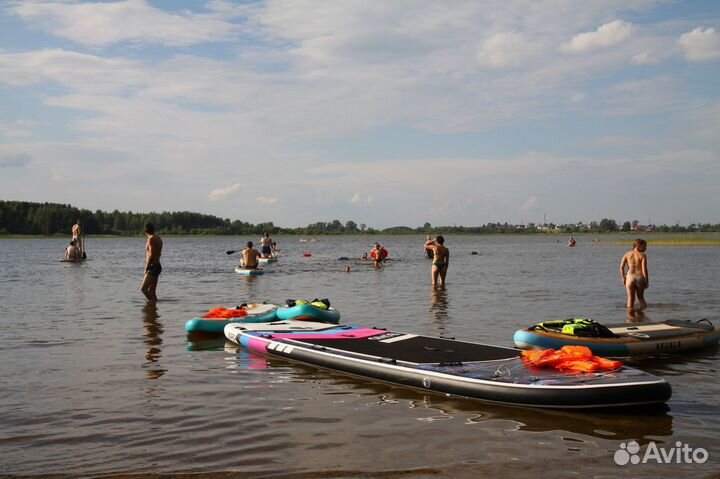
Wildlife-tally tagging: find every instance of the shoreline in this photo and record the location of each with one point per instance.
(620, 238)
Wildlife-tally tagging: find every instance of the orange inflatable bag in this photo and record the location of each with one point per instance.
(224, 313)
(383, 254)
(572, 359)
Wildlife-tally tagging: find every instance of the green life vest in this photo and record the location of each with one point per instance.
(575, 327)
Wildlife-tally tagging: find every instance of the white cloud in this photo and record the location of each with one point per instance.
(578, 97)
(302, 84)
(263, 200)
(701, 44)
(605, 36)
(222, 193)
(638, 97)
(16, 129)
(102, 24)
(529, 205)
(506, 50)
(644, 58)
(357, 199)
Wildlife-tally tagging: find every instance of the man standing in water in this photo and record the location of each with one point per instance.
(153, 250)
(441, 259)
(637, 279)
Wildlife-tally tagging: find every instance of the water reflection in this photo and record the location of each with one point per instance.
(642, 424)
(439, 306)
(635, 316)
(153, 339)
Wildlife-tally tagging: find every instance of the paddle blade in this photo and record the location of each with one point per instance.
(230, 252)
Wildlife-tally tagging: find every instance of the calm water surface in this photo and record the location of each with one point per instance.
(97, 382)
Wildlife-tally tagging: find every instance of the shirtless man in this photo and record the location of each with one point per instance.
(266, 246)
(378, 255)
(153, 250)
(636, 280)
(72, 253)
(250, 257)
(441, 259)
(77, 237)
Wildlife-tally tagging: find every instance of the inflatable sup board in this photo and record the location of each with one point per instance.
(256, 313)
(309, 312)
(479, 371)
(249, 272)
(623, 339)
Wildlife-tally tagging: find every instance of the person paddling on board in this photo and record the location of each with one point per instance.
(153, 268)
(637, 279)
(266, 246)
(441, 259)
(72, 253)
(250, 257)
(77, 237)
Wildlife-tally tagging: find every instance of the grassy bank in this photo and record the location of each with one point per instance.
(674, 240)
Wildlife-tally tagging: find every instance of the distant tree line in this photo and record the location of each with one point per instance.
(21, 217)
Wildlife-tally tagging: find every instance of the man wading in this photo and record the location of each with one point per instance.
(153, 250)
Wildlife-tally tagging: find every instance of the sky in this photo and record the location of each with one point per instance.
(386, 113)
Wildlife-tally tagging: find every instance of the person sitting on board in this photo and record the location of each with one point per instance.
(72, 253)
(441, 259)
(637, 279)
(250, 257)
(266, 246)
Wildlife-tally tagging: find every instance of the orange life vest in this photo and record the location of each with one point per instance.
(383, 253)
(574, 359)
(220, 313)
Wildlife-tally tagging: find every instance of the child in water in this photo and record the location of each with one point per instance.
(636, 280)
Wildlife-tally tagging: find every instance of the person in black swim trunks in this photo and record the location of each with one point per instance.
(441, 259)
(153, 268)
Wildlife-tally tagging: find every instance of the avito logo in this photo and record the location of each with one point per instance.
(680, 454)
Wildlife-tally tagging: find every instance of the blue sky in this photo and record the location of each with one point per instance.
(385, 113)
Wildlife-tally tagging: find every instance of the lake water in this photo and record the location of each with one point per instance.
(97, 382)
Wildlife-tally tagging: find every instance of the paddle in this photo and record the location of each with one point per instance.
(232, 251)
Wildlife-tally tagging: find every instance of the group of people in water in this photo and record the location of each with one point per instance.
(633, 266)
(76, 249)
(250, 257)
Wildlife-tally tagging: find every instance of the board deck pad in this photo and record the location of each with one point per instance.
(416, 349)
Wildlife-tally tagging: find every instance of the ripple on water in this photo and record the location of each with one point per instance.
(97, 382)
